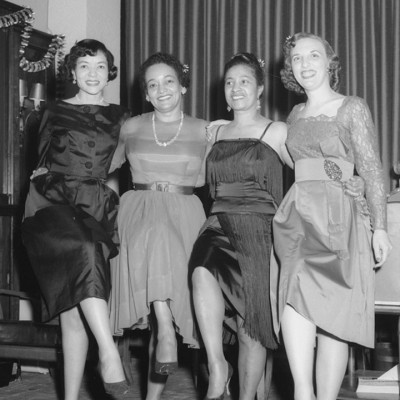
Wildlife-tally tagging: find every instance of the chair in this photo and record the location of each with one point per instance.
(28, 340)
(387, 288)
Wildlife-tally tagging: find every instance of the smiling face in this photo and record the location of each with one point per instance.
(241, 89)
(310, 63)
(91, 73)
(163, 89)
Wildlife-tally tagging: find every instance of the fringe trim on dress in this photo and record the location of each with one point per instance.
(250, 235)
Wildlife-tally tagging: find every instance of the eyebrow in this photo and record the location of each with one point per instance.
(87, 62)
(166, 76)
(241, 76)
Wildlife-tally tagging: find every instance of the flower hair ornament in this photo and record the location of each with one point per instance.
(289, 40)
(261, 62)
(185, 68)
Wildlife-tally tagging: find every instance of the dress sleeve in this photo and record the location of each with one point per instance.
(119, 154)
(367, 160)
(44, 137)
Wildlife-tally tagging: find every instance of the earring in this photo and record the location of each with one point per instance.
(258, 104)
(229, 108)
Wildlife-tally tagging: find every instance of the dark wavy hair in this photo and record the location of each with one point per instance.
(164, 58)
(251, 61)
(287, 76)
(87, 47)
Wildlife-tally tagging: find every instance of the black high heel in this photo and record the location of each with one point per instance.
(226, 394)
(117, 390)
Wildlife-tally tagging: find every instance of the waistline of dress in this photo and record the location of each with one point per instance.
(164, 186)
(336, 169)
(242, 197)
(73, 176)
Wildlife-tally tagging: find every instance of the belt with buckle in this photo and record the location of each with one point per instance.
(164, 187)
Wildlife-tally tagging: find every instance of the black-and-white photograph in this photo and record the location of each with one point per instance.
(199, 199)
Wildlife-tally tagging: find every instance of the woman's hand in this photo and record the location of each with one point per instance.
(209, 132)
(381, 245)
(355, 187)
(39, 171)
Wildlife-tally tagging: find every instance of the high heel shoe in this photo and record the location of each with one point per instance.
(117, 390)
(226, 394)
(165, 368)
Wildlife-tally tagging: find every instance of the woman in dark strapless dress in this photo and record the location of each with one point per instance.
(230, 259)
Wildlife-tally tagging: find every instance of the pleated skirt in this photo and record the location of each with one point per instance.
(157, 231)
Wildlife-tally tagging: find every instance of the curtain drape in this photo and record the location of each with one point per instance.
(205, 33)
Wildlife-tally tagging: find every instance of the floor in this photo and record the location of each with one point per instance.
(39, 386)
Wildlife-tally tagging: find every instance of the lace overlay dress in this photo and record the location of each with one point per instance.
(245, 178)
(322, 240)
(70, 228)
(157, 229)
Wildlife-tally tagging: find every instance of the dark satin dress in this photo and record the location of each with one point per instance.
(69, 229)
(245, 177)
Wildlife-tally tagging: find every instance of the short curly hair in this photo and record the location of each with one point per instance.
(287, 77)
(251, 61)
(182, 71)
(87, 47)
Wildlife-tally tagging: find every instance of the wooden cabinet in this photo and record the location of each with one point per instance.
(18, 139)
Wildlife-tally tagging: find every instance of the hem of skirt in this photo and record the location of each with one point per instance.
(72, 304)
(369, 344)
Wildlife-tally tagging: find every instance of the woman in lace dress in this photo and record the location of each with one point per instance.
(229, 263)
(325, 294)
(160, 218)
(70, 216)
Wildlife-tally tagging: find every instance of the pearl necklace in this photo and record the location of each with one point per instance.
(168, 142)
(96, 103)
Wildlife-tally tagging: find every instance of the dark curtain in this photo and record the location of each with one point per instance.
(205, 33)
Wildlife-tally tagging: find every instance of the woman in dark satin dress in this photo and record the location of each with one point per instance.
(230, 258)
(70, 216)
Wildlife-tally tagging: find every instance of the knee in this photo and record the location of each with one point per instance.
(199, 279)
(248, 343)
(71, 320)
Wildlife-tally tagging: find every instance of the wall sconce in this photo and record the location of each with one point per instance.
(37, 95)
(23, 91)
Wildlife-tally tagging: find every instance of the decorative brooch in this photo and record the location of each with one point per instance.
(332, 170)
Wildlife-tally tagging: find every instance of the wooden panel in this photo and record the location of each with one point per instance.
(17, 150)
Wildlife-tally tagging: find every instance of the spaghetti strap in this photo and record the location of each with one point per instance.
(265, 130)
(216, 134)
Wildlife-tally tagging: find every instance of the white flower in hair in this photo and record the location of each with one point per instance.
(289, 38)
(261, 62)
(185, 68)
